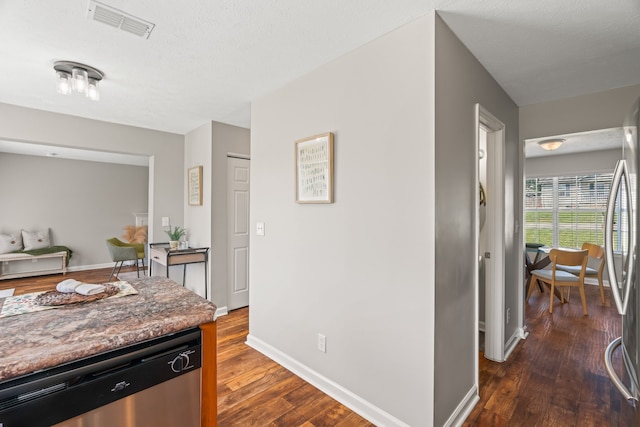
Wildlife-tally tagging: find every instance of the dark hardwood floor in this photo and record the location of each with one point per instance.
(253, 390)
(555, 377)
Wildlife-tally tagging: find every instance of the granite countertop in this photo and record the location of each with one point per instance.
(43, 339)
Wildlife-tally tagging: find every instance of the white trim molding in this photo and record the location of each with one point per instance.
(512, 342)
(494, 298)
(464, 408)
(220, 311)
(89, 267)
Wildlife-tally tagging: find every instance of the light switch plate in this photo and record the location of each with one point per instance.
(165, 221)
(260, 228)
(322, 343)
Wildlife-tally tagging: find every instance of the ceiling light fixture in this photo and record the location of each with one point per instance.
(80, 78)
(551, 144)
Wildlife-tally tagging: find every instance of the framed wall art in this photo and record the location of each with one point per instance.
(314, 169)
(194, 185)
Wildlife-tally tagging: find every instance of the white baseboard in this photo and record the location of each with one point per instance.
(90, 267)
(594, 281)
(99, 266)
(464, 409)
(523, 333)
(354, 402)
(220, 311)
(513, 341)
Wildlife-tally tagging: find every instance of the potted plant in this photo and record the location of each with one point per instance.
(175, 234)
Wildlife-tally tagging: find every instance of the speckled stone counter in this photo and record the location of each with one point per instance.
(39, 340)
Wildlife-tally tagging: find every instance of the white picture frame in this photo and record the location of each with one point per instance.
(194, 185)
(314, 169)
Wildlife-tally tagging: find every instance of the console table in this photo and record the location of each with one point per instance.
(164, 255)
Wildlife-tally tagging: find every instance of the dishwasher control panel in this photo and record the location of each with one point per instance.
(61, 393)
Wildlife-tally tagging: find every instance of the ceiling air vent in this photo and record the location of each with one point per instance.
(116, 18)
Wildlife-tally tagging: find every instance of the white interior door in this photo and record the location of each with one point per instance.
(237, 232)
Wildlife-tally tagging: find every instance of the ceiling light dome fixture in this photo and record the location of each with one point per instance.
(80, 78)
(551, 144)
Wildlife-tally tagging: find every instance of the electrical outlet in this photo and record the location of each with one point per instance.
(165, 221)
(508, 314)
(322, 343)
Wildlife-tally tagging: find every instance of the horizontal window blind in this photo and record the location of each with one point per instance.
(567, 211)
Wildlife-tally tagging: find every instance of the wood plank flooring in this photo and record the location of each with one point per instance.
(555, 377)
(253, 390)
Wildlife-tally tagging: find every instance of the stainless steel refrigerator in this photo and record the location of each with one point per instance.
(622, 228)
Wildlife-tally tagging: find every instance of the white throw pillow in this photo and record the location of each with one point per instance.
(10, 243)
(35, 239)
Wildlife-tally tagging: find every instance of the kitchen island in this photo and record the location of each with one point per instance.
(45, 339)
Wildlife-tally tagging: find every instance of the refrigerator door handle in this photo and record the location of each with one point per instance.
(627, 284)
(620, 300)
(608, 357)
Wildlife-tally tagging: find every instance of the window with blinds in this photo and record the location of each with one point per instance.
(567, 211)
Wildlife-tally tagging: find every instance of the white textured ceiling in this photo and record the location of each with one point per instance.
(207, 60)
(596, 140)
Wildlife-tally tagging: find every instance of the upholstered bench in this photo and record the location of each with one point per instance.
(21, 256)
(27, 254)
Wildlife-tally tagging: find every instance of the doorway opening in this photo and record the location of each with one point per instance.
(490, 234)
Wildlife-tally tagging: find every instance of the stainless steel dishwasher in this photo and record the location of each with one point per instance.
(153, 383)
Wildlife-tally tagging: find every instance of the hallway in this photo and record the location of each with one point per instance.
(556, 377)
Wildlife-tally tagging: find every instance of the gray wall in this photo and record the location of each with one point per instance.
(197, 219)
(570, 164)
(166, 152)
(376, 271)
(602, 110)
(460, 83)
(209, 146)
(360, 270)
(83, 203)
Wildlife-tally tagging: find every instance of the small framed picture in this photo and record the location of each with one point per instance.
(194, 185)
(314, 169)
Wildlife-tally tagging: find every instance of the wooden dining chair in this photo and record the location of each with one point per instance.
(558, 279)
(595, 265)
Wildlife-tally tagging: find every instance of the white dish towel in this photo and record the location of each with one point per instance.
(72, 285)
(67, 286)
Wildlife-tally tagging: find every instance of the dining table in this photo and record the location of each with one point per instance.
(540, 261)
